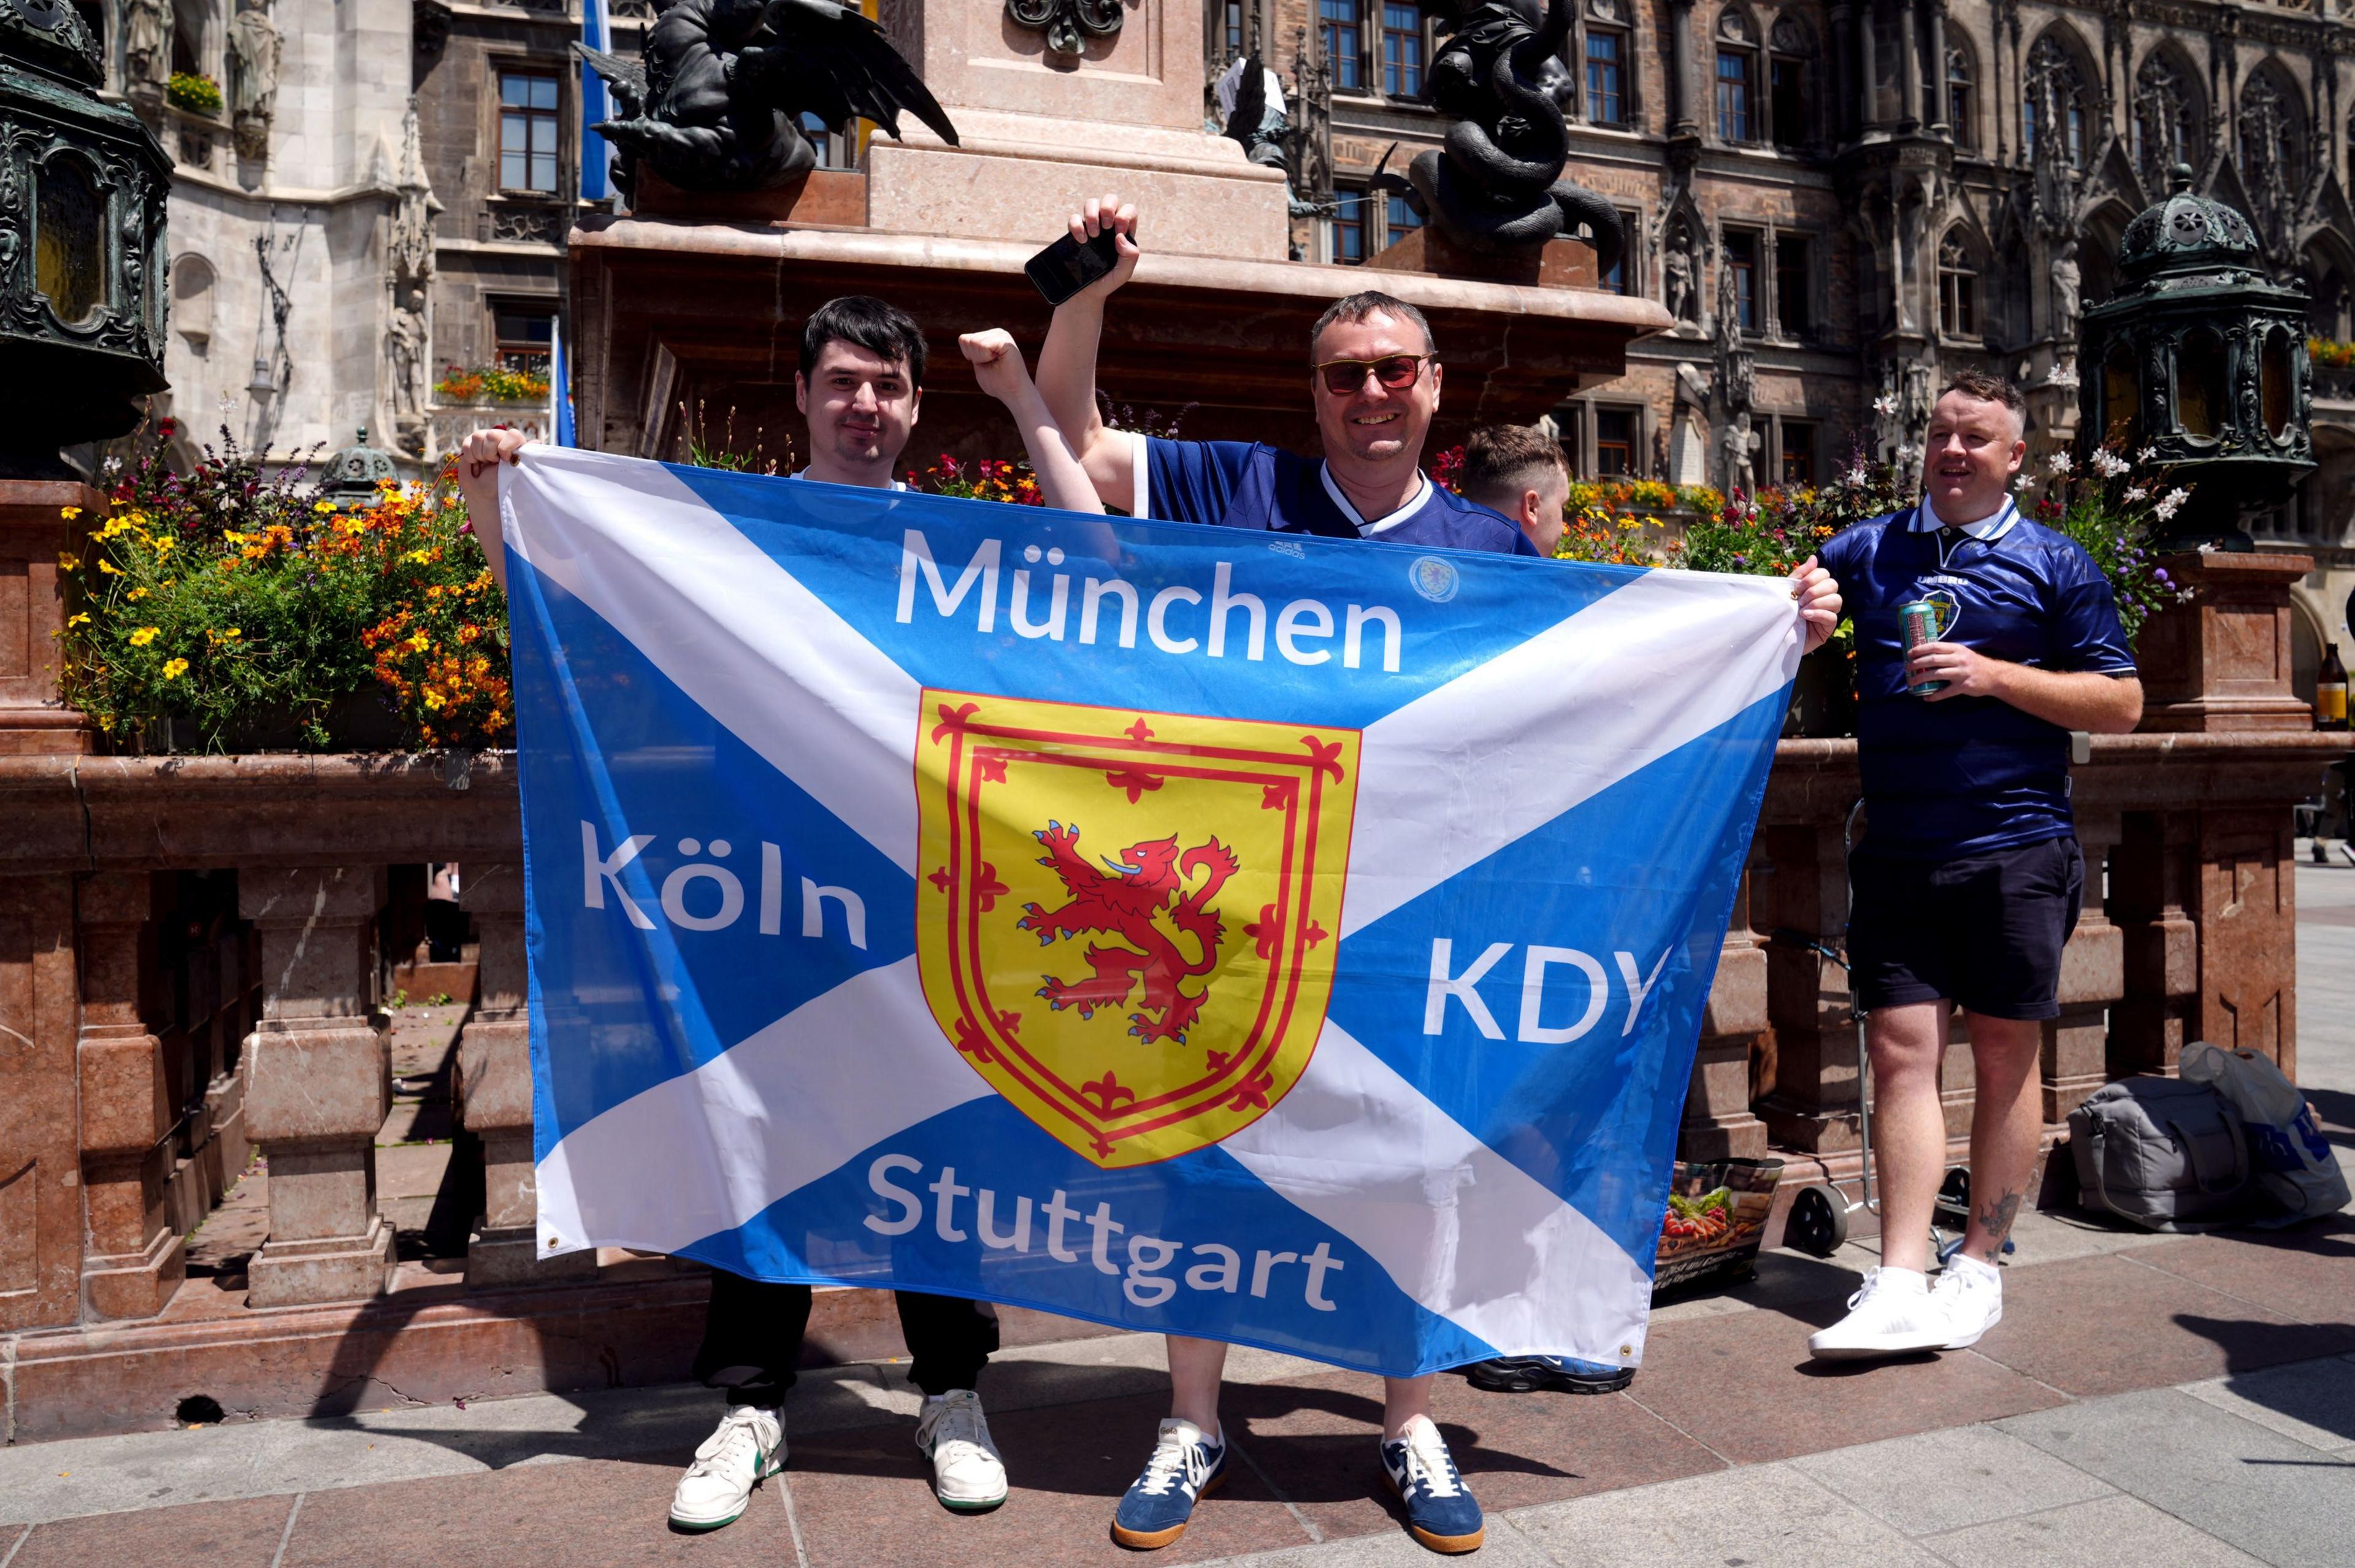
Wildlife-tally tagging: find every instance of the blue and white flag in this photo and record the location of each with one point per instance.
(1282, 939)
(597, 32)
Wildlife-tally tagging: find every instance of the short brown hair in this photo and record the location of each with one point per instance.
(1502, 460)
(1357, 307)
(1989, 388)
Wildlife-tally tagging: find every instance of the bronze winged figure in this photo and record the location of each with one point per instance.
(715, 102)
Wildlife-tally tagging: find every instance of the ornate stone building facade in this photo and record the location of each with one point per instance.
(1842, 202)
(381, 194)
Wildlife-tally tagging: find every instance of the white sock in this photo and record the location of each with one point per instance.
(1969, 1265)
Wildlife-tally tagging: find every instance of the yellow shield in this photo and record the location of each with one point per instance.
(1126, 921)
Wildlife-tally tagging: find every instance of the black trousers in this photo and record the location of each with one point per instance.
(754, 1334)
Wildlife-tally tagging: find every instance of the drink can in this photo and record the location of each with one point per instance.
(1921, 620)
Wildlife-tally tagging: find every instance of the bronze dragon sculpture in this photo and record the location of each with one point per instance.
(1496, 183)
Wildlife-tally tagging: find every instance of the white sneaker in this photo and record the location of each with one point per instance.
(748, 1444)
(1969, 1294)
(967, 1474)
(1892, 1315)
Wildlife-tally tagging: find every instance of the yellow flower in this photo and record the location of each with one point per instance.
(418, 556)
(137, 593)
(144, 636)
(419, 641)
(218, 638)
(174, 669)
(323, 507)
(67, 563)
(433, 699)
(70, 513)
(164, 545)
(81, 619)
(109, 568)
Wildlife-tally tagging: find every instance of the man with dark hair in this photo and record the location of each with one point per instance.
(1967, 882)
(1374, 383)
(862, 370)
(1518, 470)
(860, 382)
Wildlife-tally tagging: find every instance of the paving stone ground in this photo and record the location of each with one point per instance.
(2146, 1401)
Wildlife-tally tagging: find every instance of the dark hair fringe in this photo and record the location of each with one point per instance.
(1987, 389)
(865, 322)
(1368, 302)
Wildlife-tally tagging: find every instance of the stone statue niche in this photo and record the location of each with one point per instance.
(147, 47)
(715, 102)
(254, 47)
(1496, 185)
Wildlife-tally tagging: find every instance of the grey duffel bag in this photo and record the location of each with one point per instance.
(2161, 1152)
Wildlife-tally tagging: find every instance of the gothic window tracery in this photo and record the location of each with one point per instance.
(1962, 96)
(2271, 130)
(1958, 288)
(2054, 103)
(2165, 119)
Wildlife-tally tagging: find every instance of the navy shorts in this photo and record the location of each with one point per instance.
(1985, 931)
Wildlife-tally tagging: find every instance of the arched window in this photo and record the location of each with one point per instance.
(1963, 97)
(2272, 132)
(2053, 103)
(2165, 119)
(1793, 51)
(1958, 288)
(1737, 78)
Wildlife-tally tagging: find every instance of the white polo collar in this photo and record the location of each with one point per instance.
(1356, 519)
(1986, 531)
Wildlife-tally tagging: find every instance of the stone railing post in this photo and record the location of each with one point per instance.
(1812, 1106)
(41, 1230)
(135, 1259)
(2222, 661)
(494, 1085)
(319, 1082)
(1717, 1123)
(2246, 912)
(33, 531)
(2152, 872)
(2092, 979)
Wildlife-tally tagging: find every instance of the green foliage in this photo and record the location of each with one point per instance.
(699, 448)
(493, 381)
(196, 94)
(241, 607)
(1768, 534)
(2112, 508)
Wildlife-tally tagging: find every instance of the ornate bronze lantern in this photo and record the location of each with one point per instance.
(82, 186)
(2201, 358)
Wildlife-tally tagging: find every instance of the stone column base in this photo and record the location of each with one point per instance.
(503, 1255)
(136, 1284)
(337, 1268)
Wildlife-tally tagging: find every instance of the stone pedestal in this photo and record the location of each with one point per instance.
(2092, 979)
(1557, 264)
(494, 1094)
(319, 1069)
(1811, 1106)
(32, 533)
(136, 1258)
(2222, 661)
(1038, 133)
(41, 1234)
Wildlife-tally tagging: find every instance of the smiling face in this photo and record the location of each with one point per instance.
(1975, 447)
(861, 409)
(1374, 424)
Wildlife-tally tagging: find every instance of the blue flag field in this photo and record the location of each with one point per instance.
(1277, 939)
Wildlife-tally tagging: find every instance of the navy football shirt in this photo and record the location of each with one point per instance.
(1968, 774)
(1244, 485)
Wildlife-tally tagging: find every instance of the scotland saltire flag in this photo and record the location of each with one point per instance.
(1283, 940)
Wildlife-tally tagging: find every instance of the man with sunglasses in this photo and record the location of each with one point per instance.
(1375, 378)
(1374, 382)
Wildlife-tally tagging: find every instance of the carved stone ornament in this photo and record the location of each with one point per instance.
(1069, 23)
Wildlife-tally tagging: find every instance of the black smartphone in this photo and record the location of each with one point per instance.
(1067, 266)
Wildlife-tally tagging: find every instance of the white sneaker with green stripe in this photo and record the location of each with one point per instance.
(748, 1447)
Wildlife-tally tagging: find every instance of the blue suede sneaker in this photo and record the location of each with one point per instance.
(1440, 1511)
(1185, 1465)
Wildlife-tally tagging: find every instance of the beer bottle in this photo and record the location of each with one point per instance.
(2331, 691)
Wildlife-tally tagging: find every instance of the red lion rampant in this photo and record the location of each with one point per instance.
(1122, 903)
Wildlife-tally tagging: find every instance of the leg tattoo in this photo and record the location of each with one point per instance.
(1995, 1220)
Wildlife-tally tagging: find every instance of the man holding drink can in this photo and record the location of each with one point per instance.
(1982, 640)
